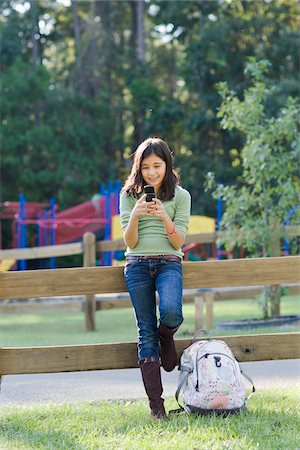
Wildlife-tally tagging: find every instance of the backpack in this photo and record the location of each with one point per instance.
(211, 380)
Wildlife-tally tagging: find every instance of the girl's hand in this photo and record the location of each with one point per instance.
(140, 208)
(156, 209)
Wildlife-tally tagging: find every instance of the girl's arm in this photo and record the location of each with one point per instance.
(174, 230)
(131, 236)
(176, 238)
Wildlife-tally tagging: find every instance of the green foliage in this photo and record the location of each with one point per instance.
(74, 93)
(43, 152)
(268, 187)
(217, 38)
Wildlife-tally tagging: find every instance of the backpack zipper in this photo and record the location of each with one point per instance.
(206, 356)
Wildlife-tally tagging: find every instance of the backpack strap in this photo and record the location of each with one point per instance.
(204, 332)
(250, 381)
(176, 411)
(183, 381)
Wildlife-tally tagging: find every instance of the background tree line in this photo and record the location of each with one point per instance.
(83, 82)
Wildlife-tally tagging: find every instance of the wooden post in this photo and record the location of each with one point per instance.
(209, 308)
(275, 293)
(275, 289)
(89, 260)
(199, 300)
(207, 299)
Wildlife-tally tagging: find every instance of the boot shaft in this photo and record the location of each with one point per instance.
(151, 375)
(167, 348)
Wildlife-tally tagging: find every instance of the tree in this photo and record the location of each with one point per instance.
(51, 127)
(215, 39)
(268, 186)
(91, 96)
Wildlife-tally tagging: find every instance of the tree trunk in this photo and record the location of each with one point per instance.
(172, 72)
(34, 32)
(77, 72)
(275, 297)
(138, 40)
(83, 75)
(76, 28)
(104, 10)
(140, 8)
(35, 55)
(275, 290)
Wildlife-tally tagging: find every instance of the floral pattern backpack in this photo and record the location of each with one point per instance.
(211, 379)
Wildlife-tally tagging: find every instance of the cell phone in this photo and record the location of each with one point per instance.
(149, 190)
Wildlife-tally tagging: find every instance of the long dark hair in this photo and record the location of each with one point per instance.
(135, 183)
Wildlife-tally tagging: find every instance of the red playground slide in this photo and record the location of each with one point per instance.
(73, 222)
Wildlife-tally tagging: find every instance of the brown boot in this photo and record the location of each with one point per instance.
(150, 368)
(167, 347)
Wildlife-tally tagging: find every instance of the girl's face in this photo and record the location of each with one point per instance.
(153, 171)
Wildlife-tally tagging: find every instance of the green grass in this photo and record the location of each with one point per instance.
(271, 423)
(118, 325)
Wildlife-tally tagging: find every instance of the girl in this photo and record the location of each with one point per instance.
(154, 233)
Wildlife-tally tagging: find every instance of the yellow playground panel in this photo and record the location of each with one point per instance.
(198, 224)
(6, 264)
(201, 224)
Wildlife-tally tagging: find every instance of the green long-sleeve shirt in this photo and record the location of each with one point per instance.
(152, 237)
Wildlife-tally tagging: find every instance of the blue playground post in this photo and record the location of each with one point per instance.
(109, 194)
(107, 228)
(45, 230)
(118, 254)
(117, 191)
(39, 235)
(22, 229)
(286, 245)
(39, 231)
(219, 218)
(52, 229)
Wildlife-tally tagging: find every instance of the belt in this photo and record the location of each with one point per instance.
(173, 258)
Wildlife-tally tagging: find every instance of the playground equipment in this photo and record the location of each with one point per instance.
(200, 251)
(54, 227)
(286, 244)
(17, 211)
(196, 251)
(112, 194)
(100, 216)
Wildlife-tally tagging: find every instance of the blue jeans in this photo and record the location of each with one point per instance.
(143, 279)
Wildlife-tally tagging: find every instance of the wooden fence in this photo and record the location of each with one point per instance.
(78, 248)
(73, 358)
(103, 280)
(91, 280)
(89, 247)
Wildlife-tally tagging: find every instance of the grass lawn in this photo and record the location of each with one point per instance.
(271, 423)
(118, 325)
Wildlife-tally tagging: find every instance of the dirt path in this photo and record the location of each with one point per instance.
(123, 384)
